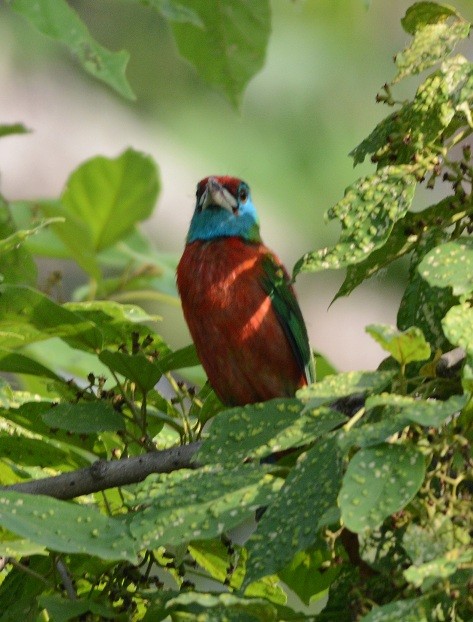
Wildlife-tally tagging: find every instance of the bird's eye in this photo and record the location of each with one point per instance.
(243, 194)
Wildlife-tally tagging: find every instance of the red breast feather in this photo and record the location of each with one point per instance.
(238, 337)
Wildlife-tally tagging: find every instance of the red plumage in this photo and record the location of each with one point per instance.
(238, 336)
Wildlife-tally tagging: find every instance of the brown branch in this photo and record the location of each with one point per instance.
(105, 474)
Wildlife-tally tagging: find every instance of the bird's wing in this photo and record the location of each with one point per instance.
(276, 284)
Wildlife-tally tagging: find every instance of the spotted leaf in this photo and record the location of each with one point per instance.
(292, 521)
(379, 481)
(65, 527)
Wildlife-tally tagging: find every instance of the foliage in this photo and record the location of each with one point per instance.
(372, 508)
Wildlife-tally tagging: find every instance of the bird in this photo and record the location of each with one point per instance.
(238, 300)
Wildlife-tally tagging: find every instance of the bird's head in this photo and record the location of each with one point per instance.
(223, 208)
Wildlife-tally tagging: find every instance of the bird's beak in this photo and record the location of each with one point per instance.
(216, 195)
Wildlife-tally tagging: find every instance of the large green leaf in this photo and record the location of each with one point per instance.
(102, 200)
(27, 316)
(231, 47)
(437, 29)
(195, 505)
(379, 481)
(258, 430)
(66, 527)
(56, 19)
(292, 521)
(368, 211)
(112, 194)
(84, 417)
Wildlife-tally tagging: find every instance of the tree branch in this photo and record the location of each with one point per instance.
(105, 474)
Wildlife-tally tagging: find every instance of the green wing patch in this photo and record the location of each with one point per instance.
(276, 284)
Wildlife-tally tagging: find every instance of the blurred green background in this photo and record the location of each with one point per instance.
(312, 103)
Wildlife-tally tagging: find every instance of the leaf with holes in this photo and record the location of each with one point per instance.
(437, 29)
(379, 481)
(370, 208)
(292, 521)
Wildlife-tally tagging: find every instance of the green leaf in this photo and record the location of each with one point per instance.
(428, 413)
(458, 326)
(450, 265)
(193, 505)
(335, 386)
(417, 131)
(411, 610)
(7, 129)
(16, 363)
(62, 609)
(439, 568)
(27, 316)
(173, 11)
(103, 199)
(424, 543)
(404, 346)
(185, 357)
(208, 607)
(84, 417)
(236, 35)
(421, 14)
(117, 322)
(437, 29)
(20, 548)
(291, 522)
(258, 430)
(379, 481)
(134, 367)
(112, 194)
(306, 576)
(16, 263)
(65, 527)
(57, 20)
(29, 414)
(425, 306)
(368, 211)
(38, 453)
